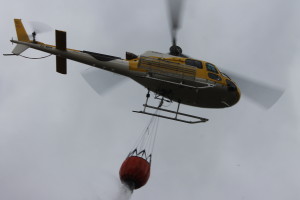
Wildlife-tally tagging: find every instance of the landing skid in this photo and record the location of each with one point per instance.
(194, 119)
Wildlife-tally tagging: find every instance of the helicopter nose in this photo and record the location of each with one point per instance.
(233, 93)
(231, 86)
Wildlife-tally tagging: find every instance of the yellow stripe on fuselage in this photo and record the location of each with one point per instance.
(133, 65)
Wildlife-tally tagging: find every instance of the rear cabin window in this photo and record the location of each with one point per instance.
(210, 67)
(194, 63)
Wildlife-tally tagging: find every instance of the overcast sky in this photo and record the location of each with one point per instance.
(60, 140)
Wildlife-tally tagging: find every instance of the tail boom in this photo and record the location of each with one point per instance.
(114, 64)
(106, 62)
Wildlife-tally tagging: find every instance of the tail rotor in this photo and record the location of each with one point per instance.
(39, 28)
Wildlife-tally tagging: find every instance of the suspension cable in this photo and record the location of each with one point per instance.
(145, 144)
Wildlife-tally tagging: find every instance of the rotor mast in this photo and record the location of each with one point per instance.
(175, 7)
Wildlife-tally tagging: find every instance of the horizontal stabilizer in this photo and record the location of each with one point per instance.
(61, 40)
(61, 65)
(20, 48)
(61, 44)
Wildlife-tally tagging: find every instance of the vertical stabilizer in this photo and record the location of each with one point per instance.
(21, 32)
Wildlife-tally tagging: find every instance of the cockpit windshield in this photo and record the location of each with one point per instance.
(225, 75)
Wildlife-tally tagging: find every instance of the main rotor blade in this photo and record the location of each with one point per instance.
(261, 93)
(175, 8)
(101, 81)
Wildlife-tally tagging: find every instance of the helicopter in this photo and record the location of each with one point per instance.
(172, 77)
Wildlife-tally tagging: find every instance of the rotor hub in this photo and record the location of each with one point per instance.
(175, 50)
(34, 36)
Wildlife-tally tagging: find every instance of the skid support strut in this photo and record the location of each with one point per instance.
(147, 98)
(193, 119)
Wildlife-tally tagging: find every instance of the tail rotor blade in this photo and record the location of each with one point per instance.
(39, 27)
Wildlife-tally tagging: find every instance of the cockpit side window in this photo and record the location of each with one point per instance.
(214, 76)
(194, 63)
(210, 67)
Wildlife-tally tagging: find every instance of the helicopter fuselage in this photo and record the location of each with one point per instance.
(184, 80)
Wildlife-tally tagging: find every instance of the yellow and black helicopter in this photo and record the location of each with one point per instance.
(170, 76)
